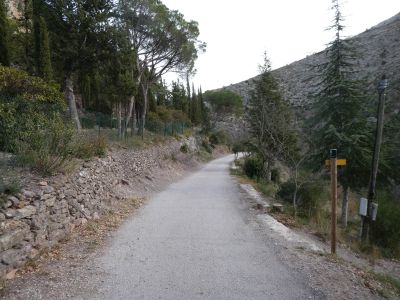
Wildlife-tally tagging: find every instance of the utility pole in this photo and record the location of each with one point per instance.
(366, 221)
(333, 163)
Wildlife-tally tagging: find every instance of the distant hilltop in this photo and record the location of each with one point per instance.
(379, 51)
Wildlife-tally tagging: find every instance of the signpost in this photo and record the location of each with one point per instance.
(333, 163)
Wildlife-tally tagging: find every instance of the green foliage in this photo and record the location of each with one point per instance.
(385, 231)
(206, 146)
(218, 138)
(253, 167)
(311, 197)
(184, 148)
(87, 147)
(340, 120)
(27, 105)
(4, 46)
(271, 121)
(10, 188)
(276, 175)
(48, 149)
(44, 68)
(15, 83)
(224, 101)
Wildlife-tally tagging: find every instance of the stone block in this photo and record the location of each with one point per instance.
(25, 212)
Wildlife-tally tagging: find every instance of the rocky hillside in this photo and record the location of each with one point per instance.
(379, 54)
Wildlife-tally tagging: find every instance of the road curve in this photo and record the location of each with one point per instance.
(193, 241)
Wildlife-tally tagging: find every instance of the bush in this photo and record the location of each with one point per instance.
(276, 176)
(218, 138)
(46, 150)
(310, 196)
(87, 147)
(253, 167)
(26, 105)
(206, 146)
(385, 231)
(184, 148)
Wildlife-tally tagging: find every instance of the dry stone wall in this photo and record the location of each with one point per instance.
(47, 210)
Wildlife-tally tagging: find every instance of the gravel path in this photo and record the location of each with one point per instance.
(198, 239)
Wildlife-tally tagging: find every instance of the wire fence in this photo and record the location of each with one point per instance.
(100, 120)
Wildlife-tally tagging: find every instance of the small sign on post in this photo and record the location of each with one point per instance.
(333, 165)
(339, 162)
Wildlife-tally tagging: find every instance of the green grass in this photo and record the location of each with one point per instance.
(388, 281)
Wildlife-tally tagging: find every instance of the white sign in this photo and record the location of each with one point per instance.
(363, 207)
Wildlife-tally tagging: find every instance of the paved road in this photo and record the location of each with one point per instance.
(194, 241)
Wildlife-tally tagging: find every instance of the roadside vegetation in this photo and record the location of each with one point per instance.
(285, 154)
(76, 79)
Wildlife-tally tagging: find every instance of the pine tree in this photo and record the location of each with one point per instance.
(4, 47)
(339, 121)
(269, 116)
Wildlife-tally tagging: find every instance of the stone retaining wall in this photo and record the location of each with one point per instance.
(48, 209)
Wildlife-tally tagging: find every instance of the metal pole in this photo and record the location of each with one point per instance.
(333, 199)
(375, 161)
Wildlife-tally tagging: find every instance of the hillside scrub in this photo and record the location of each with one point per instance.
(27, 106)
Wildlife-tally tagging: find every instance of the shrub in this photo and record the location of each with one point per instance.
(9, 188)
(310, 196)
(253, 167)
(184, 148)
(218, 138)
(87, 147)
(206, 146)
(48, 149)
(276, 175)
(385, 231)
(26, 105)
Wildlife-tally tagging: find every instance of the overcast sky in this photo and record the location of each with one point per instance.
(238, 32)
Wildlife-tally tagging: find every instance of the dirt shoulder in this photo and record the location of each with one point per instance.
(346, 275)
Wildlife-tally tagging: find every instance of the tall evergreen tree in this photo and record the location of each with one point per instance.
(43, 66)
(4, 47)
(269, 116)
(340, 121)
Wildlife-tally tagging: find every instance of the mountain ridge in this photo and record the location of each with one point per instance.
(378, 47)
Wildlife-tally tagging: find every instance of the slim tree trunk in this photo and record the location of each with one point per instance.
(119, 118)
(130, 112)
(69, 94)
(133, 123)
(345, 206)
(145, 90)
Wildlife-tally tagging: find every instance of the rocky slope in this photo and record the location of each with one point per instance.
(379, 54)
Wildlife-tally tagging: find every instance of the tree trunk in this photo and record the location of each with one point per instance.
(145, 90)
(345, 206)
(267, 170)
(133, 123)
(130, 112)
(295, 201)
(69, 94)
(119, 118)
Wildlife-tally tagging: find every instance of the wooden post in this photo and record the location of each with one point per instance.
(333, 199)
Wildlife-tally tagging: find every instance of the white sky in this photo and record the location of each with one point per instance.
(238, 32)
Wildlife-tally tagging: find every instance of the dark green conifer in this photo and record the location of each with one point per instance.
(4, 47)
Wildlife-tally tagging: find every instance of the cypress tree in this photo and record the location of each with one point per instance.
(45, 69)
(42, 47)
(4, 50)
